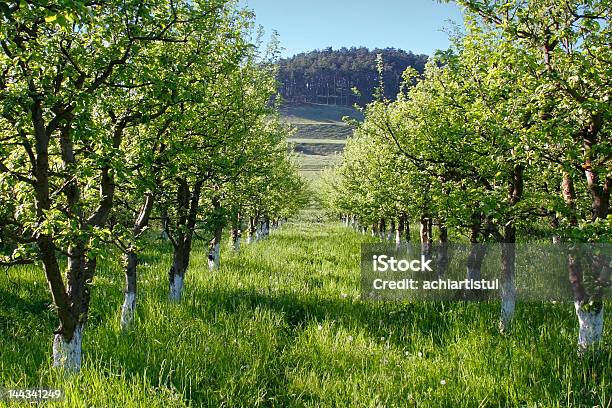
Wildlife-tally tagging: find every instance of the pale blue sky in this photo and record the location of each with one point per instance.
(412, 25)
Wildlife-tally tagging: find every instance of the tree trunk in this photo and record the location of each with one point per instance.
(131, 263)
(129, 296)
(67, 352)
(253, 227)
(591, 325)
(391, 234)
(400, 230)
(188, 205)
(590, 316)
(265, 227)
(407, 228)
(214, 249)
(177, 272)
(165, 224)
(69, 324)
(382, 229)
(442, 258)
(235, 235)
(476, 255)
(508, 289)
(599, 186)
(508, 255)
(426, 239)
(555, 225)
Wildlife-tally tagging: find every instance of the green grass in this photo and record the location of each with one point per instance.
(317, 162)
(281, 324)
(323, 131)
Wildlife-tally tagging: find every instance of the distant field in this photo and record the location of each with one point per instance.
(320, 137)
(317, 141)
(336, 131)
(311, 113)
(312, 162)
(311, 165)
(310, 175)
(321, 134)
(322, 149)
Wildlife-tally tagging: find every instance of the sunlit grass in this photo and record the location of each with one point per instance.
(281, 324)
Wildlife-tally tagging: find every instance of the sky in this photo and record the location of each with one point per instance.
(305, 25)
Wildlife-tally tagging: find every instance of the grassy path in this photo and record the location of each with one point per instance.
(281, 324)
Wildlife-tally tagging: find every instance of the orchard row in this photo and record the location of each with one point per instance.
(119, 114)
(506, 136)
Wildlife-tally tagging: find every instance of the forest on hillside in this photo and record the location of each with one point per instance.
(331, 76)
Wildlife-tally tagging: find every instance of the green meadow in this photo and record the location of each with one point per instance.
(281, 324)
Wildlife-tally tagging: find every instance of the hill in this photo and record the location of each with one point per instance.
(329, 76)
(321, 133)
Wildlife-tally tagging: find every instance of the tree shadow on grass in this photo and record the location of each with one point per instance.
(377, 318)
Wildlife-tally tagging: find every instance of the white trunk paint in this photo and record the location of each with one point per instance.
(236, 244)
(591, 326)
(176, 290)
(67, 354)
(473, 274)
(250, 239)
(213, 258)
(556, 239)
(508, 305)
(127, 310)
(373, 233)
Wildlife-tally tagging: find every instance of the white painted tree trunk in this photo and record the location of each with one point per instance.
(264, 231)
(176, 290)
(473, 274)
(236, 244)
(556, 239)
(127, 310)
(508, 305)
(67, 354)
(398, 239)
(213, 257)
(590, 326)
